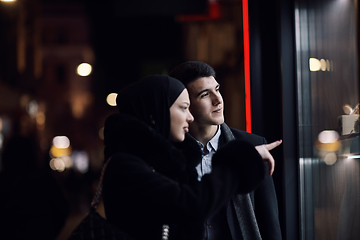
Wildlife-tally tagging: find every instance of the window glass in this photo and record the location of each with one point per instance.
(328, 97)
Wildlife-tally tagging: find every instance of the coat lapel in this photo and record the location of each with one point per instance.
(240, 204)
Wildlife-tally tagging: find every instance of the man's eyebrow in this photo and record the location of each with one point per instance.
(205, 90)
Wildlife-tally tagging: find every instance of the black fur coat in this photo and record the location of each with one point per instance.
(149, 182)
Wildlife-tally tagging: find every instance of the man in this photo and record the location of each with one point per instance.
(250, 216)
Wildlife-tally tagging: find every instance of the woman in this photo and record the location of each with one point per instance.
(150, 185)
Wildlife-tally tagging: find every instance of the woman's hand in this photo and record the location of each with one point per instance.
(264, 149)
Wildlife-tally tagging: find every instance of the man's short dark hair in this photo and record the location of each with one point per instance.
(188, 72)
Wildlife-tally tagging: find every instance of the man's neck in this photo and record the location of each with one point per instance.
(203, 133)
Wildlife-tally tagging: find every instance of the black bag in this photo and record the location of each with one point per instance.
(94, 226)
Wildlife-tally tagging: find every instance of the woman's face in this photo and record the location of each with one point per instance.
(180, 117)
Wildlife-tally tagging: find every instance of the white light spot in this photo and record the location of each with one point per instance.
(84, 69)
(33, 108)
(80, 161)
(322, 64)
(111, 99)
(328, 136)
(314, 64)
(67, 161)
(330, 158)
(61, 142)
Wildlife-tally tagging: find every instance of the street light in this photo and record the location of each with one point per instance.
(111, 99)
(84, 69)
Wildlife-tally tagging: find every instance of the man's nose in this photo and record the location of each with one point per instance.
(217, 99)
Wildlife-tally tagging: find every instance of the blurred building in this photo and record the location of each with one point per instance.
(46, 91)
(20, 68)
(44, 95)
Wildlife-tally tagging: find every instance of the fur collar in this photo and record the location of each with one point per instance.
(124, 133)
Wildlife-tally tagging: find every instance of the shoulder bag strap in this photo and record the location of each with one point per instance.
(96, 199)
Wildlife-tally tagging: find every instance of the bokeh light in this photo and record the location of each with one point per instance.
(330, 158)
(61, 142)
(328, 141)
(84, 69)
(328, 136)
(67, 161)
(314, 64)
(1, 140)
(80, 161)
(57, 164)
(111, 99)
(101, 133)
(32, 108)
(40, 119)
(327, 65)
(322, 64)
(59, 152)
(317, 65)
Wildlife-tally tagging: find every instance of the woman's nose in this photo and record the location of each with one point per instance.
(190, 117)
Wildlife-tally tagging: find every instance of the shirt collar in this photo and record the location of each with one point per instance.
(213, 144)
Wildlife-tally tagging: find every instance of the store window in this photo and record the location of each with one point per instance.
(328, 123)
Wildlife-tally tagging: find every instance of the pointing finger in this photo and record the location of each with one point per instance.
(273, 145)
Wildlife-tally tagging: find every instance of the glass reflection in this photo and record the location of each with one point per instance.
(328, 90)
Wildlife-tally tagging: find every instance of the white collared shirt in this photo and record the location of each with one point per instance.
(204, 166)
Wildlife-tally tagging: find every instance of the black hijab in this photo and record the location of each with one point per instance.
(150, 99)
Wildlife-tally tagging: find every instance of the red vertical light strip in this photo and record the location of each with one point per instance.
(247, 64)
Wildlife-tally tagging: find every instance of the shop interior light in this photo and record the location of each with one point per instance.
(328, 136)
(314, 64)
(322, 64)
(330, 158)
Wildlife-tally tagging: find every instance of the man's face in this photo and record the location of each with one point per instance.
(206, 101)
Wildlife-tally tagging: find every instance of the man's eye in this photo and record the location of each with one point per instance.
(204, 95)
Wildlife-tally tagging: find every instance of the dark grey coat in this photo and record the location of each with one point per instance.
(263, 198)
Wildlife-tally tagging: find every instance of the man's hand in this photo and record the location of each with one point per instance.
(264, 149)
